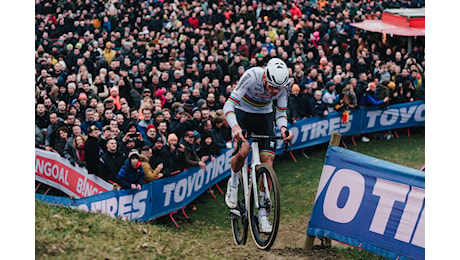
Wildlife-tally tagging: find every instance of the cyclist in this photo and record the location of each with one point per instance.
(249, 107)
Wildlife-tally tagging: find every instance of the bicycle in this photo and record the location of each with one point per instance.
(246, 212)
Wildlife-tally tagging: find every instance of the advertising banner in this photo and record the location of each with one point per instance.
(370, 204)
(396, 116)
(156, 198)
(57, 172)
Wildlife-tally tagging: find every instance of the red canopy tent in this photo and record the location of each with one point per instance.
(403, 22)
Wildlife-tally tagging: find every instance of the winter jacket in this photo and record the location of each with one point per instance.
(369, 99)
(319, 107)
(110, 164)
(85, 124)
(191, 157)
(161, 156)
(150, 173)
(92, 155)
(129, 175)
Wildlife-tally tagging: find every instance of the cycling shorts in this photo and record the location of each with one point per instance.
(259, 124)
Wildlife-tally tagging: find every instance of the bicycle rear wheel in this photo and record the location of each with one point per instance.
(265, 240)
(239, 217)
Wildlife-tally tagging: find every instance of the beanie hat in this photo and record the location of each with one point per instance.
(196, 135)
(82, 96)
(151, 126)
(172, 137)
(132, 153)
(295, 87)
(114, 88)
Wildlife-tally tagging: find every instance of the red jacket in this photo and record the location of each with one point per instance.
(296, 11)
(193, 22)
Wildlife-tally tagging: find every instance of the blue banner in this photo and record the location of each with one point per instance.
(370, 204)
(395, 116)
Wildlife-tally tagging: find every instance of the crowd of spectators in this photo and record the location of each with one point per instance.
(117, 75)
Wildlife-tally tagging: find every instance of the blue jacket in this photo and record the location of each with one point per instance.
(85, 124)
(129, 175)
(370, 100)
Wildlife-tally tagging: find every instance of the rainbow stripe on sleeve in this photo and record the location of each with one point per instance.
(234, 100)
(281, 109)
(229, 113)
(255, 103)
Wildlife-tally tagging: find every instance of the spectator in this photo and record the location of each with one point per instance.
(151, 134)
(295, 106)
(135, 135)
(62, 135)
(111, 161)
(105, 136)
(143, 124)
(100, 88)
(383, 92)
(191, 157)
(348, 99)
(217, 138)
(319, 107)
(208, 147)
(397, 95)
(89, 121)
(136, 94)
(92, 150)
(77, 154)
(369, 98)
(180, 124)
(150, 174)
(55, 123)
(176, 157)
(330, 96)
(409, 91)
(114, 94)
(163, 130)
(42, 117)
(131, 174)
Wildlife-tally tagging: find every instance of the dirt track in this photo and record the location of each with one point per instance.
(289, 244)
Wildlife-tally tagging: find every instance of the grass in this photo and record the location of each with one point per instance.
(64, 233)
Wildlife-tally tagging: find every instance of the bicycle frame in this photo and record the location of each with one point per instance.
(255, 160)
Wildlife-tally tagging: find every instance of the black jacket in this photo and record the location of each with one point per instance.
(160, 156)
(92, 155)
(109, 164)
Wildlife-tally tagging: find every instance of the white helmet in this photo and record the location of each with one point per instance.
(277, 73)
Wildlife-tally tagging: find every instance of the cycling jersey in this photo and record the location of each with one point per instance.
(251, 96)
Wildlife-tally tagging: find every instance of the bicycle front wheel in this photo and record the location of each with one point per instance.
(239, 217)
(264, 240)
